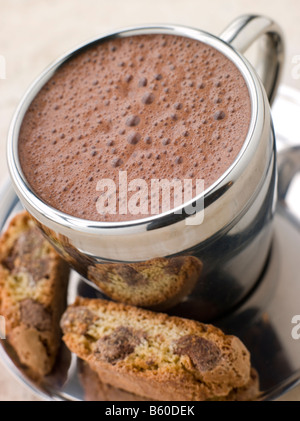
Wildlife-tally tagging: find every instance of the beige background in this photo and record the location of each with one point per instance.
(36, 32)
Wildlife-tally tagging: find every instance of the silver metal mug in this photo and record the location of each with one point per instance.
(163, 262)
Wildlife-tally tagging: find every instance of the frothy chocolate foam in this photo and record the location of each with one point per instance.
(156, 106)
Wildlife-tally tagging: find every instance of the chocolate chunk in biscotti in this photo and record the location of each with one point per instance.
(155, 355)
(33, 287)
(116, 346)
(35, 315)
(21, 255)
(204, 354)
(82, 316)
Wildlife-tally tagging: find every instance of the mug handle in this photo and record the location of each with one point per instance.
(288, 166)
(243, 31)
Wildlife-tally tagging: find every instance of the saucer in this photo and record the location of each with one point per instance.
(263, 321)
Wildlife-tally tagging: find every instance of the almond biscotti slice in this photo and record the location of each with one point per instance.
(158, 283)
(154, 355)
(96, 390)
(33, 287)
(248, 392)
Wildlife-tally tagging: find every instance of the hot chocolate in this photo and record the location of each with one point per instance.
(155, 106)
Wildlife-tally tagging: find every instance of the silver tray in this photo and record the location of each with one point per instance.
(263, 321)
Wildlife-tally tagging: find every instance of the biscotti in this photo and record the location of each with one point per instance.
(157, 283)
(249, 392)
(154, 355)
(96, 390)
(33, 287)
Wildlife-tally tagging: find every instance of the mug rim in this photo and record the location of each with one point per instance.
(26, 193)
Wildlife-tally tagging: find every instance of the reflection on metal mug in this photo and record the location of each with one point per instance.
(195, 270)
